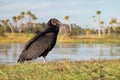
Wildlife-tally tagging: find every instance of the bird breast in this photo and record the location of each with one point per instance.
(50, 35)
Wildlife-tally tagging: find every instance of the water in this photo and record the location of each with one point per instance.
(10, 52)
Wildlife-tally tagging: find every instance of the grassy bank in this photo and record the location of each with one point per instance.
(77, 39)
(79, 70)
(8, 38)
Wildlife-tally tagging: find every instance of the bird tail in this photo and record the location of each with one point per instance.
(20, 60)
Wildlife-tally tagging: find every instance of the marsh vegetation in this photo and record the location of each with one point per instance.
(66, 70)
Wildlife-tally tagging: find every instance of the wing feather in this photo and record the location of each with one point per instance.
(35, 38)
(32, 40)
(38, 46)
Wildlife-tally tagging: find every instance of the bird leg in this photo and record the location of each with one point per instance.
(44, 60)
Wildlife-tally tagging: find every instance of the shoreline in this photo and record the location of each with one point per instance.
(13, 38)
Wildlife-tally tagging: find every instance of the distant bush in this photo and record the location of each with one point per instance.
(1, 31)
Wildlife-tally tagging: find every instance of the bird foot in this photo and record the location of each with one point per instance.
(44, 60)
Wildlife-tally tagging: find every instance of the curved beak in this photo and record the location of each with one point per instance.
(59, 23)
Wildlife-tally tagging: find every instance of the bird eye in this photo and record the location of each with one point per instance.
(54, 22)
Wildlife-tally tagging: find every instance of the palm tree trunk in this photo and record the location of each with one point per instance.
(16, 25)
(103, 30)
(70, 27)
(94, 24)
(4, 27)
(109, 31)
(113, 28)
(11, 28)
(99, 26)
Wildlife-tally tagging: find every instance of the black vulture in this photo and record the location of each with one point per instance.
(41, 43)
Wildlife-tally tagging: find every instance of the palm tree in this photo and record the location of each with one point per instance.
(98, 13)
(15, 20)
(108, 30)
(113, 23)
(6, 23)
(29, 14)
(22, 15)
(34, 18)
(67, 18)
(1, 30)
(29, 22)
(94, 23)
(9, 25)
(18, 20)
(19, 17)
(102, 23)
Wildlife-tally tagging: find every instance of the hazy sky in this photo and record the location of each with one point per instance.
(80, 11)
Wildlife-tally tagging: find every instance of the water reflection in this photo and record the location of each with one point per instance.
(9, 53)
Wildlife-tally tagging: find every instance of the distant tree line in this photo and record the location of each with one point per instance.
(25, 22)
(113, 28)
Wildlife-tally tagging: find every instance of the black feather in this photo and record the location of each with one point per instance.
(41, 43)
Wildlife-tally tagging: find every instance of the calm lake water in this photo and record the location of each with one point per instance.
(10, 52)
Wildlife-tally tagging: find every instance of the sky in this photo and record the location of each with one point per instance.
(79, 11)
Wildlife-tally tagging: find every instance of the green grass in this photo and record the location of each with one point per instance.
(62, 70)
(77, 39)
(15, 37)
(90, 39)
